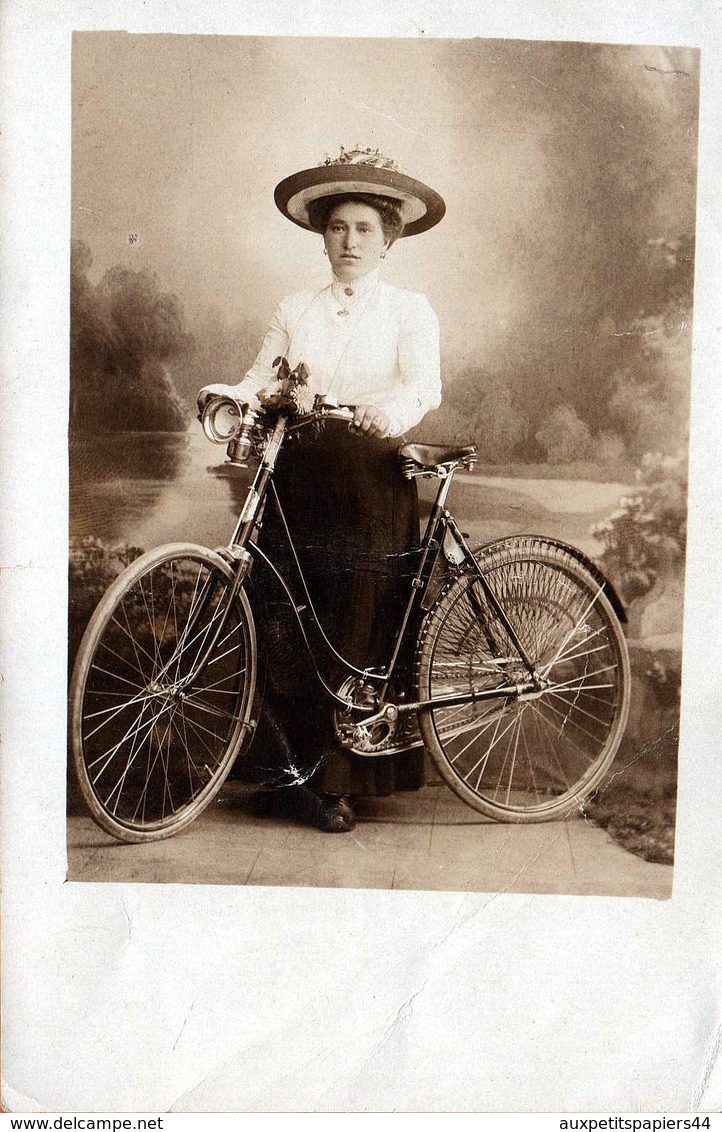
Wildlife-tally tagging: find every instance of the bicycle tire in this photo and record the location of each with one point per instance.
(149, 757)
(533, 758)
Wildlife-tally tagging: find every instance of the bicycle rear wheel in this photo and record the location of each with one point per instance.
(150, 750)
(527, 757)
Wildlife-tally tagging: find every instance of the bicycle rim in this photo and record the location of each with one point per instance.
(536, 757)
(150, 750)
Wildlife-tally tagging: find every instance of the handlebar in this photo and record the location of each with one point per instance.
(228, 421)
(224, 418)
(326, 413)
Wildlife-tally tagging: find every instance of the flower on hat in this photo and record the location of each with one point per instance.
(358, 156)
(359, 170)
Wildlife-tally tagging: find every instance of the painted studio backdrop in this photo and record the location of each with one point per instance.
(562, 277)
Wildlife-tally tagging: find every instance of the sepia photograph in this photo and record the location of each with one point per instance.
(380, 358)
(361, 560)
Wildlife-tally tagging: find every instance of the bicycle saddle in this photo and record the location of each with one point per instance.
(430, 456)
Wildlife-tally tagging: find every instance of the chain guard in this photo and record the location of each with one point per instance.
(387, 737)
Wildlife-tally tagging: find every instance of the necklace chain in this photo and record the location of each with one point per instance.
(348, 292)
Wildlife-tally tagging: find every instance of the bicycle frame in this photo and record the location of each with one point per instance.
(489, 629)
(243, 548)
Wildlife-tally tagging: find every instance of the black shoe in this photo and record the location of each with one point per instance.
(328, 812)
(340, 816)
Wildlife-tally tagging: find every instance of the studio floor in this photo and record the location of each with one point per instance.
(427, 840)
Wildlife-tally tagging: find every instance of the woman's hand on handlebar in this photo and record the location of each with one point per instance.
(209, 391)
(370, 421)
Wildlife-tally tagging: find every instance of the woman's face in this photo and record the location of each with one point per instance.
(355, 240)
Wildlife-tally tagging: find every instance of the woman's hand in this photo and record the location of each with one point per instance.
(209, 391)
(370, 421)
(235, 392)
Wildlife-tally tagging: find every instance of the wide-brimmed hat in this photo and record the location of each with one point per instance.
(360, 171)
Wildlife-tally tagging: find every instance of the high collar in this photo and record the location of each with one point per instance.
(361, 288)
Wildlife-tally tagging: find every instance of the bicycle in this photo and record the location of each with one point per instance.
(519, 687)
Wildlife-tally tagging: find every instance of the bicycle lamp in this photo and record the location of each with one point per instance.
(221, 419)
(224, 423)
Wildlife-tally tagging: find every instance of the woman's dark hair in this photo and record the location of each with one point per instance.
(388, 209)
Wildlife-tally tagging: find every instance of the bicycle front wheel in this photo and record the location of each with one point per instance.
(525, 757)
(151, 747)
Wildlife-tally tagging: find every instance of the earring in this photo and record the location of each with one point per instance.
(324, 250)
(383, 255)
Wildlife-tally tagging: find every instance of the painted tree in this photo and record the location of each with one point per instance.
(124, 332)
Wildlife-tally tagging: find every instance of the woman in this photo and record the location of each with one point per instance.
(353, 518)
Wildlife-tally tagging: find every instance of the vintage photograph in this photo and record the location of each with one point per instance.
(380, 359)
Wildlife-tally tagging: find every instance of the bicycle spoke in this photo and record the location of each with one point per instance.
(165, 762)
(213, 690)
(446, 716)
(570, 686)
(537, 755)
(192, 701)
(559, 732)
(569, 635)
(219, 715)
(151, 626)
(115, 695)
(218, 611)
(133, 638)
(172, 603)
(552, 751)
(605, 701)
(567, 720)
(477, 723)
(203, 635)
(171, 607)
(186, 628)
(530, 763)
(130, 734)
(150, 759)
(219, 656)
(144, 792)
(121, 781)
(482, 726)
(149, 771)
(513, 760)
(213, 686)
(499, 777)
(574, 706)
(588, 675)
(136, 746)
(495, 740)
(572, 655)
(124, 660)
(197, 732)
(191, 762)
(111, 712)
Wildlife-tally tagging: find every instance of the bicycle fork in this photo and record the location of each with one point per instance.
(240, 559)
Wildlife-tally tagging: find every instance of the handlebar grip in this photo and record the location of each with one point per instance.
(342, 413)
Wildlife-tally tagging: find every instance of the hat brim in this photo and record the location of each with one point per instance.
(421, 207)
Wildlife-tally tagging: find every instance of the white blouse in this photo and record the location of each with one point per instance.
(381, 350)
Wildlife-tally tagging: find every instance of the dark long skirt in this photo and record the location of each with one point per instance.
(354, 522)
